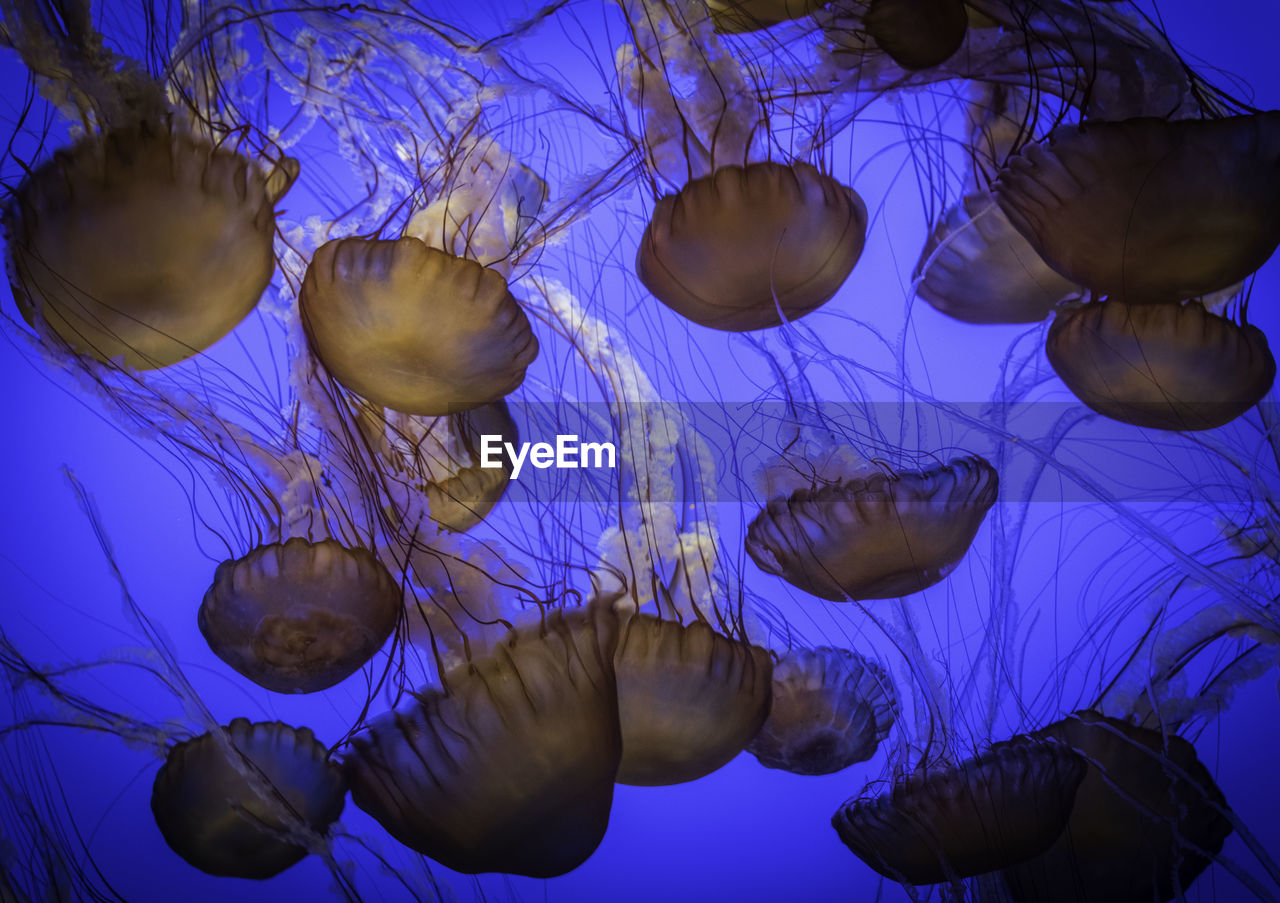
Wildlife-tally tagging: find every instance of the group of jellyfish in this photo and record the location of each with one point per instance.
(518, 659)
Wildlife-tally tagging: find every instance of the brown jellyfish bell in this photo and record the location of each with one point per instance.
(1146, 210)
(413, 328)
(877, 537)
(1164, 366)
(752, 15)
(239, 806)
(145, 244)
(917, 34)
(749, 247)
(298, 616)
(831, 709)
(940, 824)
(1148, 819)
(511, 767)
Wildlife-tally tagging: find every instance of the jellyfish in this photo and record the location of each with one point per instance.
(831, 709)
(874, 538)
(1163, 366)
(917, 34)
(1148, 210)
(749, 15)
(217, 799)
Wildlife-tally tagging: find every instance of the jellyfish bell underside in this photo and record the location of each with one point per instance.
(413, 328)
(689, 699)
(917, 34)
(831, 709)
(297, 617)
(751, 15)
(748, 248)
(875, 538)
(144, 244)
(1000, 808)
(225, 824)
(1147, 810)
(512, 768)
(463, 500)
(1163, 366)
(1147, 210)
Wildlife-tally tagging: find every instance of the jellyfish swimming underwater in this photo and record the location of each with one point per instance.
(1119, 570)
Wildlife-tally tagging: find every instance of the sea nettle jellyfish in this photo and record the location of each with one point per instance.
(750, 15)
(917, 34)
(831, 709)
(145, 244)
(512, 767)
(1147, 210)
(300, 616)
(877, 537)
(1165, 366)
(990, 812)
(1148, 819)
(413, 328)
(240, 804)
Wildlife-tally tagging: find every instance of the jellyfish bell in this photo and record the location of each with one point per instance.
(749, 247)
(1146, 210)
(995, 810)
(145, 244)
(831, 709)
(752, 15)
(413, 328)
(511, 769)
(1163, 366)
(240, 806)
(1148, 819)
(917, 34)
(298, 616)
(877, 537)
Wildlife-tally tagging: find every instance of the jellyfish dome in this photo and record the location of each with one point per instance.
(1164, 366)
(689, 699)
(235, 808)
(145, 244)
(511, 768)
(750, 15)
(298, 616)
(917, 34)
(1147, 210)
(877, 537)
(749, 247)
(413, 328)
(831, 709)
(992, 811)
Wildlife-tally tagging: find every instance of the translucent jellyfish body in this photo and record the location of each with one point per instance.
(512, 769)
(990, 812)
(689, 699)
(1166, 366)
(750, 15)
(877, 537)
(296, 617)
(977, 268)
(1147, 811)
(238, 812)
(1149, 210)
(144, 244)
(751, 247)
(917, 34)
(831, 709)
(413, 328)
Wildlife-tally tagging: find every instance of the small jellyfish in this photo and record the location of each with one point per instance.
(246, 817)
(689, 699)
(1147, 210)
(751, 15)
(990, 812)
(413, 328)
(512, 768)
(145, 244)
(877, 537)
(296, 617)
(831, 709)
(977, 268)
(749, 247)
(1147, 811)
(1165, 366)
(917, 34)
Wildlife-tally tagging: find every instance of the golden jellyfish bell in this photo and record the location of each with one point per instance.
(752, 15)
(917, 34)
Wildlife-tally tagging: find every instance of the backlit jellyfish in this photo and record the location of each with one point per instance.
(208, 797)
(831, 709)
(917, 34)
(876, 537)
(1165, 366)
(749, 15)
